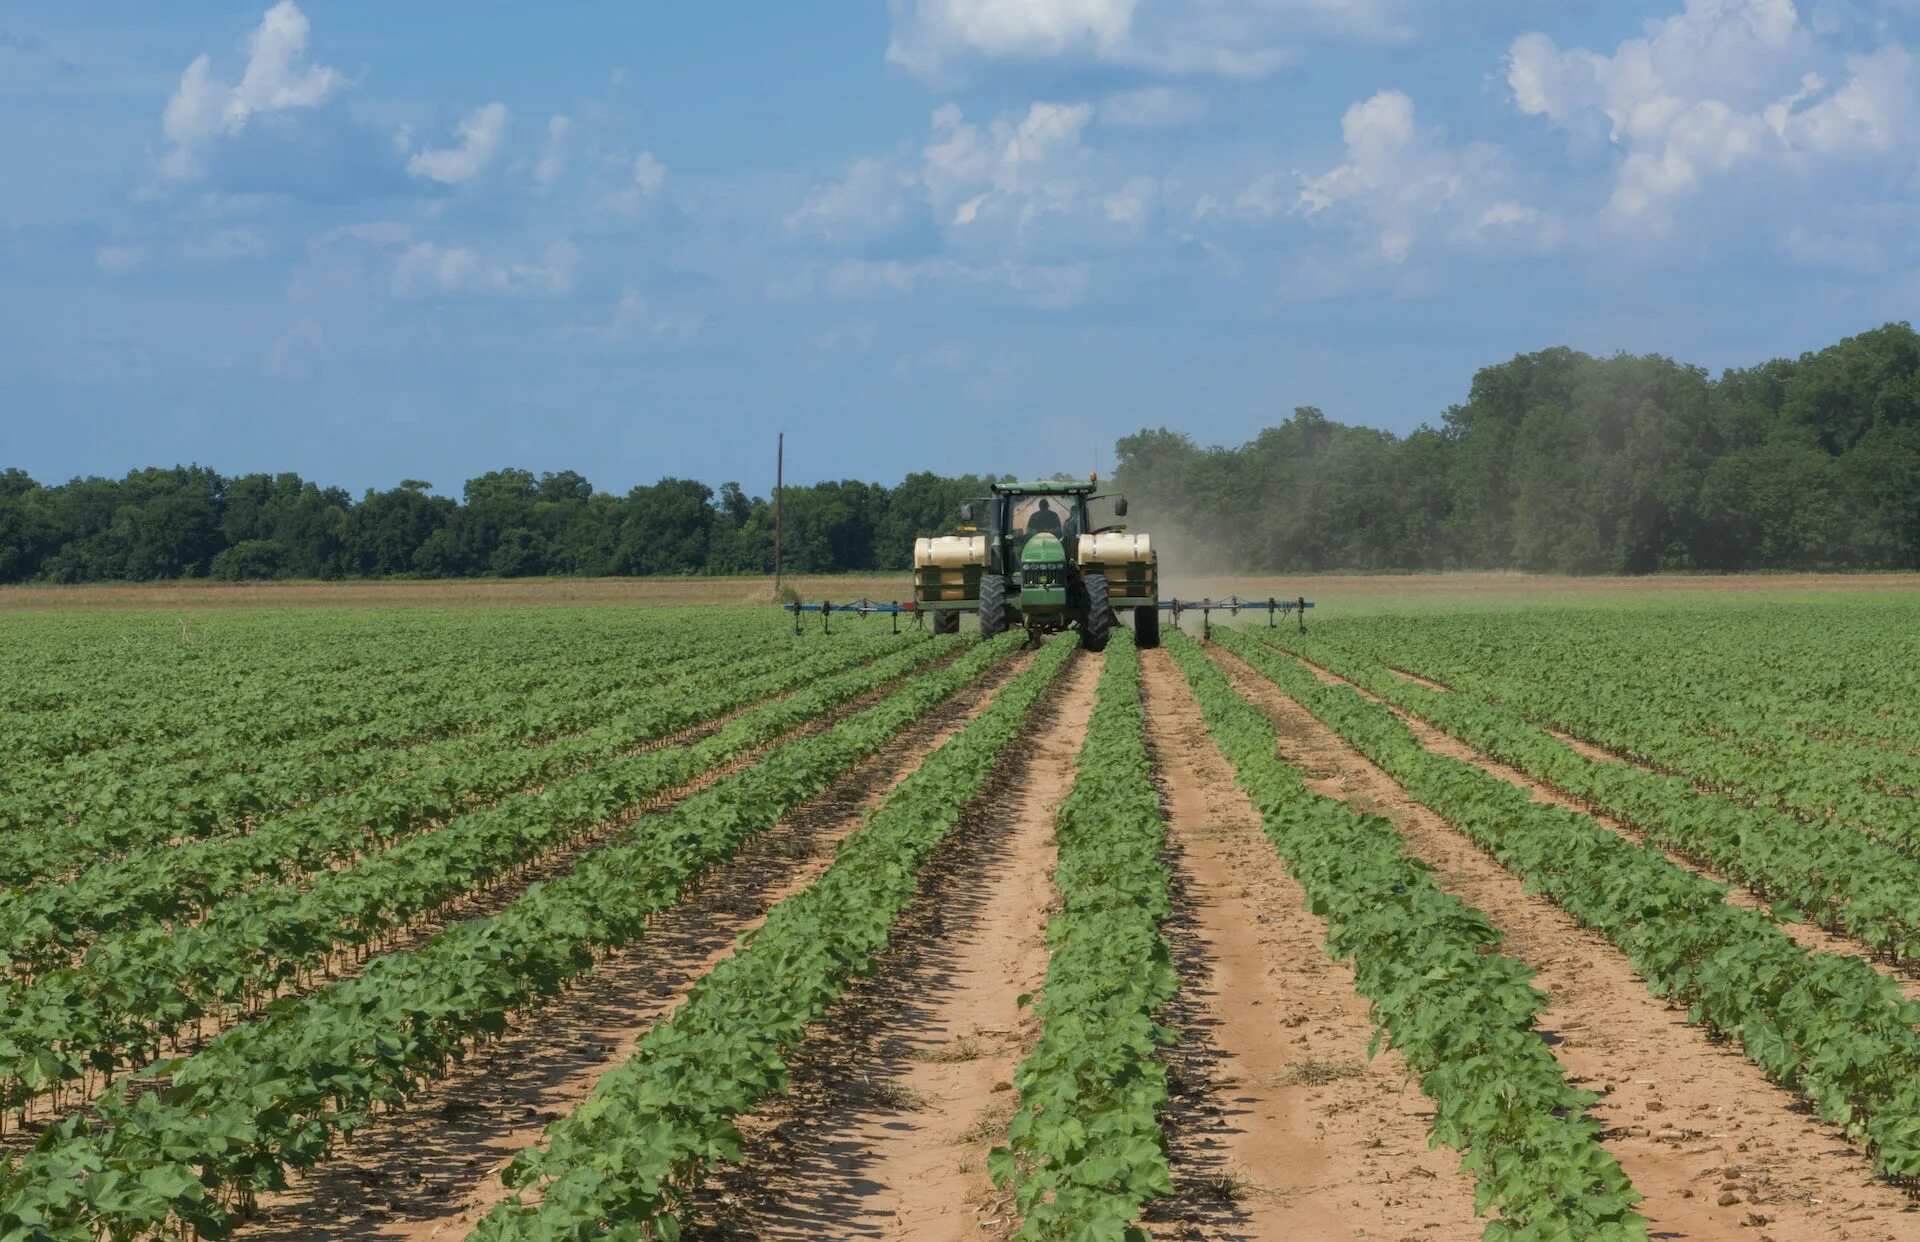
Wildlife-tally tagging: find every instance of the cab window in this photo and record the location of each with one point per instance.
(1053, 515)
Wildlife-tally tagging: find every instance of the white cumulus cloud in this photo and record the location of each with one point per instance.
(277, 78)
(1722, 85)
(1233, 38)
(1026, 163)
(481, 135)
(982, 184)
(1402, 184)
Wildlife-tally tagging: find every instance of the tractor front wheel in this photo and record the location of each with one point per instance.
(1146, 627)
(993, 605)
(1097, 628)
(946, 621)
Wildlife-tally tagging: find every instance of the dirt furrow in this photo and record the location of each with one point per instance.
(898, 1096)
(1808, 935)
(1281, 1127)
(1718, 1151)
(433, 1169)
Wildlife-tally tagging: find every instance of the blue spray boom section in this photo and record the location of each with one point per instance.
(863, 606)
(1274, 608)
(1233, 604)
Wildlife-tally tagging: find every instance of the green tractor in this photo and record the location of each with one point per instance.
(1041, 565)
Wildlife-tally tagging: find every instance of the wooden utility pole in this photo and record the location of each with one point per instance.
(779, 486)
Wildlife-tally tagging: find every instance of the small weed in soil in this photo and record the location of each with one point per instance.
(1225, 1187)
(965, 1048)
(991, 1125)
(898, 1095)
(1311, 1073)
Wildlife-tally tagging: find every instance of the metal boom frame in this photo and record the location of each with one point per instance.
(864, 607)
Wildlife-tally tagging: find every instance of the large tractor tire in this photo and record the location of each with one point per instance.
(993, 605)
(1098, 626)
(946, 621)
(1146, 627)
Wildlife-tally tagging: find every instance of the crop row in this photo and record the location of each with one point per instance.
(155, 689)
(275, 1093)
(1842, 879)
(1646, 708)
(1461, 1013)
(1833, 668)
(133, 991)
(1829, 1027)
(1085, 1153)
(101, 811)
(246, 778)
(634, 1152)
(42, 926)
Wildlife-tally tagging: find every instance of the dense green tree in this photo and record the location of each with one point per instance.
(666, 529)
(389, 527)
(250, 559)
(27, 533)
(309, 523)
(519, 554)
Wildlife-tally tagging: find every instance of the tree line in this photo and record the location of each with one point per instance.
(1557, 461)
(190, 522)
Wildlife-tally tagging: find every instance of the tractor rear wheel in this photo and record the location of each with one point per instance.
(1146, 627)
(946, 621)
(1097, 628)
(993, 604)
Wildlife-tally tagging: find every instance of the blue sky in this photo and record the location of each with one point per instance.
(369, 242)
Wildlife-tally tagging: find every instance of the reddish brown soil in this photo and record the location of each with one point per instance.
(1285, 1129)
(901, 1092)
(432, 1170)
(1717, 1150)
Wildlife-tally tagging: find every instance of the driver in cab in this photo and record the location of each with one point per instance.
(1045, 521)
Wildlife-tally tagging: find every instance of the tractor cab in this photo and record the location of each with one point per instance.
(1016, 517)
(1040, 563)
